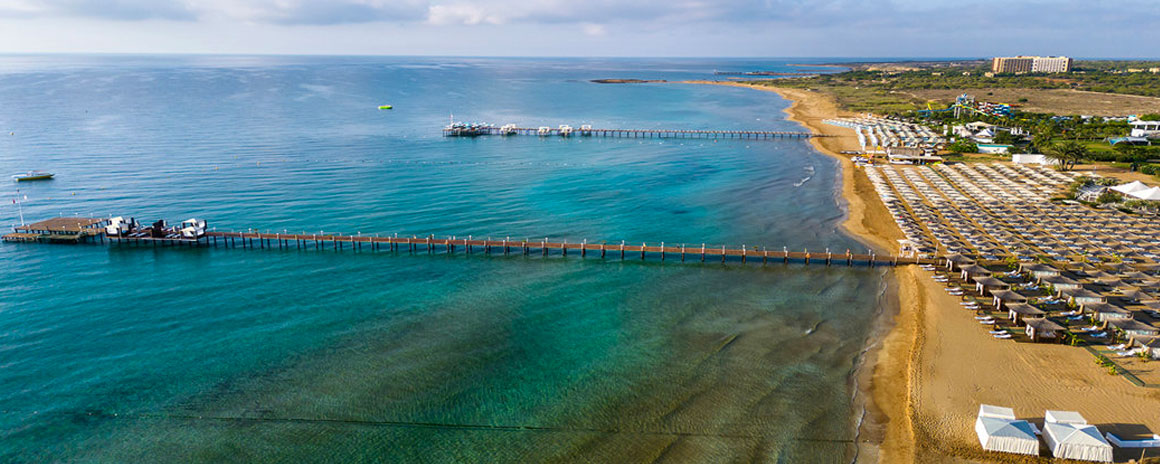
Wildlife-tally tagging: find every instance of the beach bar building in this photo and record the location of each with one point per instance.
(998, 430)
(1039, 328)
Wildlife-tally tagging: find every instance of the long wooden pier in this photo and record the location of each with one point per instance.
(89, 230)
(584, 131)
(544, 247)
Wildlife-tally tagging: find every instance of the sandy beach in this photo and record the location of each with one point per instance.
(935, 365)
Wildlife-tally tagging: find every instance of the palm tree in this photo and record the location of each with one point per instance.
(1067, 154)
(1041, 140)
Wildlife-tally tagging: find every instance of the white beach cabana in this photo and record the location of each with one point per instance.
(1131, 187)
(999, 412)
(1076, 441)
(1064, 417)
(999, 431)
(1152, 194)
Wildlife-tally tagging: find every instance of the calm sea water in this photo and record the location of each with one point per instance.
(121, 354)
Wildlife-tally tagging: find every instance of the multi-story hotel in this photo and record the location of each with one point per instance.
(1026, 64)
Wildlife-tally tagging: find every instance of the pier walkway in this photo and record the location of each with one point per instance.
(450, 245)
(81, 230)
(585, 131)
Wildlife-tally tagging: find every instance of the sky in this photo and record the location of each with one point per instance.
(700, 28)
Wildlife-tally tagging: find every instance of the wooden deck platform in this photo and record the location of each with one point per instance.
(64, 224)
(58, 230)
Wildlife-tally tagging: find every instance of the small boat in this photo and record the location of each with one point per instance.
(33, 175)
(386, 107)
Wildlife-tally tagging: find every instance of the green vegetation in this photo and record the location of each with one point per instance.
(1070, 139)
(963, 146)
(1112, 65)
(1067, 153)
(1140, 83)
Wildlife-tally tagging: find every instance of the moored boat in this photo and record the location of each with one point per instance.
(33, 175)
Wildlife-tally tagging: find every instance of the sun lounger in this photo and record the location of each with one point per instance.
(1099, 335)
(1002, 336)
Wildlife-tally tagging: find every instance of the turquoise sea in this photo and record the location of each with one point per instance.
(124, 354)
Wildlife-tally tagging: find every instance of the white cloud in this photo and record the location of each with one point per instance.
(594, 30)
(461, 13)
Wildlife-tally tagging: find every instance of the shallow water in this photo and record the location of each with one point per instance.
(115, 354)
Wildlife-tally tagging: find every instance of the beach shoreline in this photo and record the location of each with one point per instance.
(882, 374)
(918, 383)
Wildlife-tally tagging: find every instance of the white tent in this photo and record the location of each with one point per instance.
(1064, 417)
(1077, 441)
(1149, 194)
(1134, 186)
(1006, 435)
(986, 410)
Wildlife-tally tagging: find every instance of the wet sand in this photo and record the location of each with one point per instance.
(933, 366)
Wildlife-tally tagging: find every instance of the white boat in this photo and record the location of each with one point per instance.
(33, 175)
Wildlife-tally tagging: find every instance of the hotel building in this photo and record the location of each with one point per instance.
(1031, 64)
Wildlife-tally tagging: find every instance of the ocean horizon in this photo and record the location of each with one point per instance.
(130, 354)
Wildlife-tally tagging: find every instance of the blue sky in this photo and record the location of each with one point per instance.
(764, 28)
